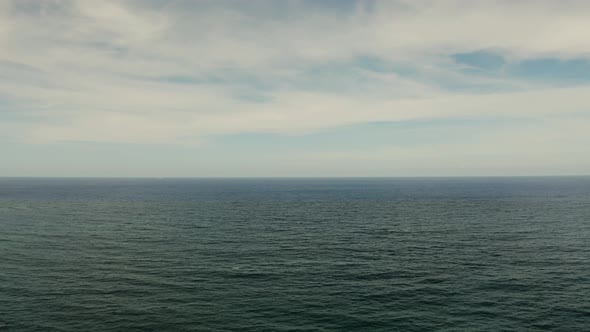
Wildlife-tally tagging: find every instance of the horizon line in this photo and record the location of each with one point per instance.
(292, 177)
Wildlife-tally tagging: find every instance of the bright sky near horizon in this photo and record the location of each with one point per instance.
(294, 88)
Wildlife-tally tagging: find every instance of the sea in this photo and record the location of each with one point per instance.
(295, 254)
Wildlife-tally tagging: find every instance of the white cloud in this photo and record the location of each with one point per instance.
(88, 70)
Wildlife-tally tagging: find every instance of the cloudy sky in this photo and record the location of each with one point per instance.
(294, 88)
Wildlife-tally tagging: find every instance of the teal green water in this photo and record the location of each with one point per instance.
(430, 254)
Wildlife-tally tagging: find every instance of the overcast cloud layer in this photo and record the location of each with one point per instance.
(294, 88)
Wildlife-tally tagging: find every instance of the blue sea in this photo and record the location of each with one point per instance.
(367, 254)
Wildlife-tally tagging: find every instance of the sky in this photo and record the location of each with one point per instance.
(154, 88)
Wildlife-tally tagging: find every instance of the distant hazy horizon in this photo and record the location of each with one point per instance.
(296, 177)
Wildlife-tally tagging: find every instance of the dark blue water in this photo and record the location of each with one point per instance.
(430, 254)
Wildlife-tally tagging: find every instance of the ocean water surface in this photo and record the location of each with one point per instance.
(391, 254)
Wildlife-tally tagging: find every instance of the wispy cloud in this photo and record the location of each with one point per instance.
(185, 72)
